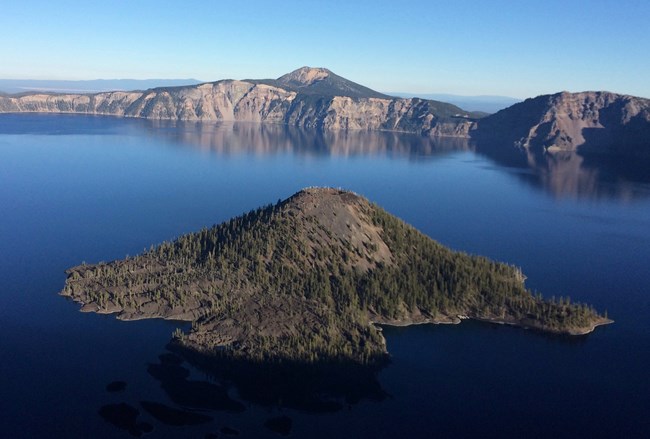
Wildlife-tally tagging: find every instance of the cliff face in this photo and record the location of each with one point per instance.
(599, 122)
(223, 100)
(588, 122)
(312, 98)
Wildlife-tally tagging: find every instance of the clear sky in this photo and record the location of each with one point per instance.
(516, 48)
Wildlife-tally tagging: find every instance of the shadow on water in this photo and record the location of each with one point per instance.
(125, 417)
(173, 378)
(171, 416)
(234, 384)
(281, 425)
(315, 388)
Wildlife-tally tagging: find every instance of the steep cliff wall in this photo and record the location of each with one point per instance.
(588, 122)
(323, 101)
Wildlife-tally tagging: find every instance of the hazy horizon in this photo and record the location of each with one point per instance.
(45, 83)
(484, 103)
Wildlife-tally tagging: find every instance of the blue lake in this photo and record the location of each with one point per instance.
(78, 188)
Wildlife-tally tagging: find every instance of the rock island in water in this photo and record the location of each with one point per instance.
(307, 278)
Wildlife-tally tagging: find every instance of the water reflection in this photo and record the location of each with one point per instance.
(265, 139)
(572, 175)
(561, 174)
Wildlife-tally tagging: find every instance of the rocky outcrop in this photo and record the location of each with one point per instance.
(311, 98)
(588, 122)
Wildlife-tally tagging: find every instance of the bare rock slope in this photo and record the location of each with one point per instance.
(588, 122)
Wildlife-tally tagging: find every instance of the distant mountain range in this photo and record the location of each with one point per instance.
(11, 86)
(483, 103)
(597, 122)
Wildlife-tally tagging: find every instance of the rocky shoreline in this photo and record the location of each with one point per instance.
(456, 320)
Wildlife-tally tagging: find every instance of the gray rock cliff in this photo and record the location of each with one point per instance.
(587, 122)
(307, 97)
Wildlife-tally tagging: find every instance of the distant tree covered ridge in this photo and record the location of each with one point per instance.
(306, 278)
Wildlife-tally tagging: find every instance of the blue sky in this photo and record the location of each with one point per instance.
(513, 48)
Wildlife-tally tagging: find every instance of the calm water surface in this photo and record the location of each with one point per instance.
(75, 188)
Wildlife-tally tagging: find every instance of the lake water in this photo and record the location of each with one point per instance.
(77, 188)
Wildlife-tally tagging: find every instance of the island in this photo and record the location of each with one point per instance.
(310, 279)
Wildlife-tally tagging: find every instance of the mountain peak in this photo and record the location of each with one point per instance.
(305, 76)
(322, 81)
